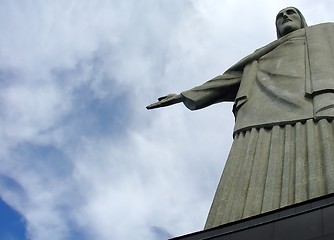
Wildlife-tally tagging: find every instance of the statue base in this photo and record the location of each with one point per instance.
(312, 220)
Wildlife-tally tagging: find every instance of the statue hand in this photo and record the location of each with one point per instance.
(165, 101)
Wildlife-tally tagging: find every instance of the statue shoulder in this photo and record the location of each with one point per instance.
(322, 25)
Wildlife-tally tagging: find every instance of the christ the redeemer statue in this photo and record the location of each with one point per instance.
(283, 94)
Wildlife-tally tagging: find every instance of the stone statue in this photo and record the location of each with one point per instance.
(283, 147)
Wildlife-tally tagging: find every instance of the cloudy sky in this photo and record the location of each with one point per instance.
(80, 156)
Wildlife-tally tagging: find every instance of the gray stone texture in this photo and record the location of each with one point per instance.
(283, 94)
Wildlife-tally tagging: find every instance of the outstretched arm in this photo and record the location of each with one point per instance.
(221, 88)
(165, 101)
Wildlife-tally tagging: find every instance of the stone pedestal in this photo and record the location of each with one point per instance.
(309, 220)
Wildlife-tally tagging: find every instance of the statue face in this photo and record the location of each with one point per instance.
(288, 20)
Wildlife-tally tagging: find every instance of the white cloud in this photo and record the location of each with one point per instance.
(76, 140)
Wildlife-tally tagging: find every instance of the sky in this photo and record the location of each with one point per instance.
(80, 156)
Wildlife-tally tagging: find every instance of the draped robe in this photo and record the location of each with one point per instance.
(283, 148)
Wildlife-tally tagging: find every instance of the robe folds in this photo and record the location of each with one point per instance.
(283, 148)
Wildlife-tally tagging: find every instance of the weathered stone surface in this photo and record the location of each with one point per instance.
(283, 94)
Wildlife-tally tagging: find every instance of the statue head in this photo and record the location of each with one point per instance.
(288, 20)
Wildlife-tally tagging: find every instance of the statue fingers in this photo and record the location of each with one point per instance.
(154, 105)
(162, 98)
